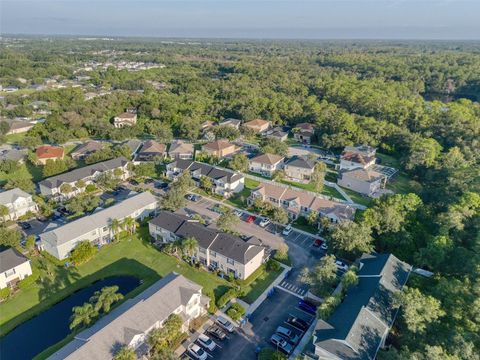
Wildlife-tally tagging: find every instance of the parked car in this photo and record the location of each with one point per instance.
(264, 222)
(149, 181)
(324, 246)
(206, 342)
(238, 213)
(298, 323)
(288, 334)
(287, 230)
(317, 243)
(217, 208)
(197, 352)
(225, 324)
(133, 182)
(251, 219)
(341, 265)
(25, 225)
(281, 344)
(216, 332)
(161, 185)
(193, 197)
(307, 307)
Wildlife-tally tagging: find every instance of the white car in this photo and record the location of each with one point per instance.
(324, 246)
(264, 222)
(238, 213)
(206, 342)
(197, 352)
(288, 229)
(341, 265)
(225, 324)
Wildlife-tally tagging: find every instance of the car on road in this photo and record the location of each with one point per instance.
(206, 342)
(298, 323)
(288, 334)
(193, 197)
(239, 213)
(281, 344)
(264, 222)
(197, 352)
(251, 219)
(216, 332)
(225, 324)
(341, 265)
(307, 307)
(288, 229)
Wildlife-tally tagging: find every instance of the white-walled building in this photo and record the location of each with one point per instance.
(13, 268)
(266, 164)
(18, 203)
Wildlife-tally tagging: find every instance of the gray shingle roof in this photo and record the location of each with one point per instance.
(9, 196)
(356, 328)
(301, 162)
(12, 154)
(207, 170)
(100, 219)
(11, 258)
(225, 244)
(84, 172)
(87, 148)
(134, 316)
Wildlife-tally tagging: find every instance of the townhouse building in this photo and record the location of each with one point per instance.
(266, 164)
(216, 250)
(18, 203)
(13, 267)
(299, 168)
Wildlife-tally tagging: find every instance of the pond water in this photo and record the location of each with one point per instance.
(51, 326)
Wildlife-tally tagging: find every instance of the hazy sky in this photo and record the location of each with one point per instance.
(391, 19)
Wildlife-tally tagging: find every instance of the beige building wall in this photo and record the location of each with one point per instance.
(15, 274)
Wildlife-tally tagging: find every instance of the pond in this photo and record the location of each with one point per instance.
(37, 334)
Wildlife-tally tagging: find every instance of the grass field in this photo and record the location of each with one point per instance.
(238, 200)
(400, 183)
(132, 256)
(358, 198)
(258, 286)
(327, 190)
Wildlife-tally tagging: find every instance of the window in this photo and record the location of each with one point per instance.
(230, 261)
(105, 228)
(213, 253)
(94, 232)
(202, 250)
(9, 273)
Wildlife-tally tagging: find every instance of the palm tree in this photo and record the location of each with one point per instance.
(115, 227)
(129, 225)
(82, 315)
(189, 245)
(104, 298)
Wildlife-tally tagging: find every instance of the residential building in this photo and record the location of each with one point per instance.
(13, 268)
(151, 150)
(360, 324)
(278, 133)
(216, 250)
(219, 148)
(134, 145)
(225, 182)
(47, 152)
(13, 155)
(18, 126)
(354, 157)
(364, 181)
(181, 150)
(130, 323)
(125, 119)
(88, 148)
(231, 122)
(265, 164)
(258, 125)
(208, 124)
(301, 203)
(88, 174)
(18, 203)
(303, 133)
(95, 228)
(299, 168)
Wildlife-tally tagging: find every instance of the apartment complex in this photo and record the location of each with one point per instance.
(300, 203)
(51, 186)
(13, 268)
(130, 323)
(95, 228)
(359, 326)
(299, 168)
(18, 203)
(266, 164)
(364, 181)
(216, 250)
(225, 182)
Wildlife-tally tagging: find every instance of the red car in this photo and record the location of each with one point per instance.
(317, 243)
(250, 219)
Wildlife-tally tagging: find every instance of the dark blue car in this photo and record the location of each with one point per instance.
(307, 306)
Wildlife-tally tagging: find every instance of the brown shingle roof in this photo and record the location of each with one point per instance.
(151, 146)
(356, 157)
(218, 145)
(269, 159)
(49, 152)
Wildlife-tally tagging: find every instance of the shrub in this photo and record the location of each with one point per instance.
(83, 252)
(225, 298)
(271, 354)
(29, 280)
(236, 311)
(273, 265)
(90, 188)
(5, 293)
(211, 307)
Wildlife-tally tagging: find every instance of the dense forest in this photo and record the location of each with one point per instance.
(377, 93)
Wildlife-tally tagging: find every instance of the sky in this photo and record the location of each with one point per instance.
(264, 19)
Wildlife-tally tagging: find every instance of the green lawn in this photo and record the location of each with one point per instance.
(400, 183)
(239, 199)
(302, 224)
(358, 198)
(136, 257)
(15, 138)
(327, 190)
(258, 286)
